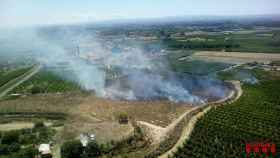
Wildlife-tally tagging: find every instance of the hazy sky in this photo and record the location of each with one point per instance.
(22, 12)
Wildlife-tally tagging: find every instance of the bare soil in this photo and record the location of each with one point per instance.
(45, 103)
(100, 116)
(159, 113)
(15, 126)
(89, 114)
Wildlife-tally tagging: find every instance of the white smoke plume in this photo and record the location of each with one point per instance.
(133, 76)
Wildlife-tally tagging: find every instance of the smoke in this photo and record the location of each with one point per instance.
(126, 74)
(31, 45)
(246, 77)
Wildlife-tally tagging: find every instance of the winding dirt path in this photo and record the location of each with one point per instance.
(157, 134)
(232, 97)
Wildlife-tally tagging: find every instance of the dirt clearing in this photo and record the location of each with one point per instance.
(159, 113)
(89, 114)
(100, 117)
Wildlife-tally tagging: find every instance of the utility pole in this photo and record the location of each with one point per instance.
(78, 50)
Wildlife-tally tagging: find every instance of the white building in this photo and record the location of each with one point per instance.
(44, 149)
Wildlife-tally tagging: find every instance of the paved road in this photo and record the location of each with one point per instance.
(19, 80)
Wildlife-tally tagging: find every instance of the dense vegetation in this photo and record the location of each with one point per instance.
(5, 77)
(133, 146)
(266, 42)
(20, 143)
(46, 82)
(202, 45)
(197, 67)
(224, 131)
(74, 149)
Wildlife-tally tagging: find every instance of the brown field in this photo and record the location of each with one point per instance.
(43, 103)
(89, 114)
(157, 112)
(100, 116)
(15, 126)
(236, 57)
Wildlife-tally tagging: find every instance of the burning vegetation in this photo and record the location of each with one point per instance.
(115, 71)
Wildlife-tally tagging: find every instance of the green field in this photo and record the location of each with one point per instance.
(194, 67)
(46, 82)
(197, 67)
(255, 43)
(264, 42)
(6, 76)
(224, 131)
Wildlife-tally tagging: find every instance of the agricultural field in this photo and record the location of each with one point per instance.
(198, 67)
(134, 91)
(46, 82)
(236, 57)
(8, 75)
(225, 130)
(250, 41)
(257, 42)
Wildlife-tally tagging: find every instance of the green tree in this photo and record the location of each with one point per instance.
(10, 137)
(39, 124)
(72, 149)
(92, 150)
(28, 152)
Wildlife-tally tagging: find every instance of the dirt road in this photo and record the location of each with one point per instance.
(191, 124)
(17, 81)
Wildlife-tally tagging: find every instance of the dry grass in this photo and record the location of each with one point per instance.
(89, 114)
(156, 112)
(100, 116)
(15, 126)
(236, 57)
(43, 103)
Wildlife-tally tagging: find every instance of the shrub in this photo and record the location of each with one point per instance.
(39, 124)
(35, 90)
(123, 118)
(28, 152)
(72, 149)
(14, 147)
(4, 149)
(92, 150)
(10, 137)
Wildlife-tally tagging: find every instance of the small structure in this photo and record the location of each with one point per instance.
(45, 151)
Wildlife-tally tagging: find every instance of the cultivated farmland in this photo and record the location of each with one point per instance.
(224, 131)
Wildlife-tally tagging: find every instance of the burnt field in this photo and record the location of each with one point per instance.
(202, 89)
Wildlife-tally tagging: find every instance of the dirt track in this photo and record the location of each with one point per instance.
(236, 57)
(188, 129)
